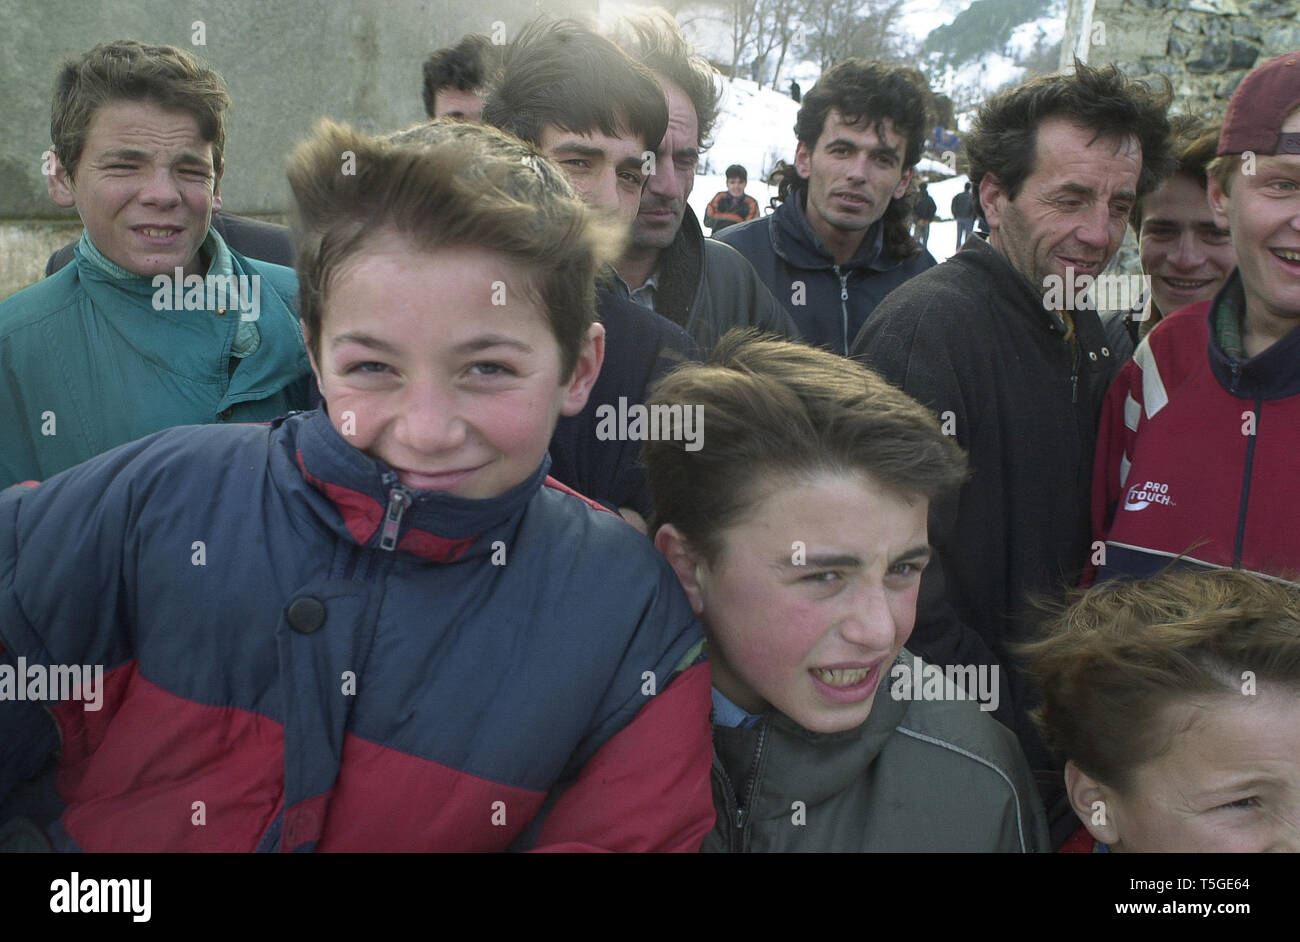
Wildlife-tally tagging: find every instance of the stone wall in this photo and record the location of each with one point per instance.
(1203, 47)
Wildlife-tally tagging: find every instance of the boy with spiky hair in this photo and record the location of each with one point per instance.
(349, 630)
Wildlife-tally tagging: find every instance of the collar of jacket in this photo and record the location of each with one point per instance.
(97, 267)
(795, 241)
(681, 269)
(818, 766)
(1268, 375)
(356, 492)
(999, 276)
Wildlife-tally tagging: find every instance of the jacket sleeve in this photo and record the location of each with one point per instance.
(710, 219)
(1024, 823)
(648, 787)
(28, 736)
(641, 780)
(752, 208)
(62, 600)
(733, 282)
(1121, 414)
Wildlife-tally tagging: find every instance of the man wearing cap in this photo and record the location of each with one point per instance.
(1196, 456)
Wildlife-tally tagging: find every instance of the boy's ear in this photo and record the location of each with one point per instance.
(672, 545)
(216, 189)
(1219, 202)
(59, 184)
(590, 358)
(1092, 803)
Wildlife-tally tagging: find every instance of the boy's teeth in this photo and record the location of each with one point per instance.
(842, 678)
(1288, 255)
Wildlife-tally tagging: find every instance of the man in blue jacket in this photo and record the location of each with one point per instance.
(157, 322)
(839, 242)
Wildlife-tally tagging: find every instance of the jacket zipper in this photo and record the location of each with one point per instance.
(1245, 485)
(751, 780)
(1074, 376)
(844, 306)
(399, 498)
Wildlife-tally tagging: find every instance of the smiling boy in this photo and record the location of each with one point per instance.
(378, 625)
(1196, 451)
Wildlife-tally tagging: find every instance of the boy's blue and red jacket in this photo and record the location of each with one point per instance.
(519, 672)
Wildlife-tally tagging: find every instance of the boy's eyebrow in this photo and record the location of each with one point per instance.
(473, 345)
(825, 561)
(139, 156)
(579, 148)
(492, 340)
(365, 340)
(849, 561)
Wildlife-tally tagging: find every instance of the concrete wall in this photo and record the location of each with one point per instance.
(286, 64)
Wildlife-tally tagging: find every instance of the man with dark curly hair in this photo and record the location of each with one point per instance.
(1003, 341)
(840, 241)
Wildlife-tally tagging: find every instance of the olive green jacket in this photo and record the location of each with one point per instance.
(918, 775)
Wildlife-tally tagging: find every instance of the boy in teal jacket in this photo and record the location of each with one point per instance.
(157, 323)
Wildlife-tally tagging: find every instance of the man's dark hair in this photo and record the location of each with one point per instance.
(563, 73)
(736, 171)
(466, 67)
(1004, 138)
(865, 91)
(653, 38)
(127, 70)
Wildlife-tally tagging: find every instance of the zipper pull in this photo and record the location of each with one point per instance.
(398, 501)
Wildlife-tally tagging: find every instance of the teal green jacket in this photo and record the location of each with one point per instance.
(92, 357)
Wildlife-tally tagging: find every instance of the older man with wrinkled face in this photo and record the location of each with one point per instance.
(996, 341)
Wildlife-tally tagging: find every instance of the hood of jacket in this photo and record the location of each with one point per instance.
(1271, 374)
(795, 241)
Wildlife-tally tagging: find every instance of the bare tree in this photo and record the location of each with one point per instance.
(840, 29)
